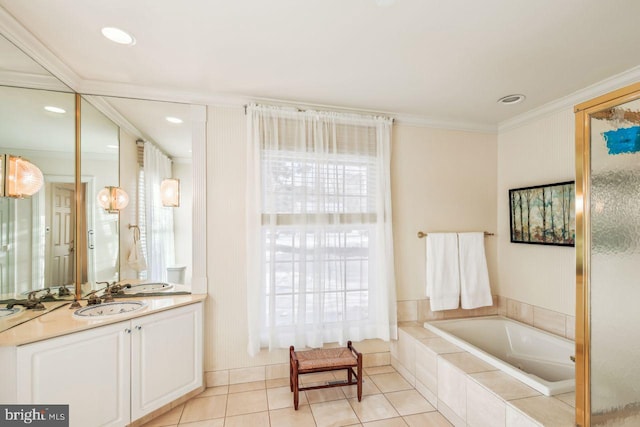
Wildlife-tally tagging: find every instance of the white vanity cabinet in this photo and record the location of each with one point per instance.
(115, 374)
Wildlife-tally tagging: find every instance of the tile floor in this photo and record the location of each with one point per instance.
(387, 401)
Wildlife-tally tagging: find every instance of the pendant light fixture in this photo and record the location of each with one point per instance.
(20, 178)
(113, 199)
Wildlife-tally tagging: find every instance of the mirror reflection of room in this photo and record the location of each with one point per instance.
(154, 228)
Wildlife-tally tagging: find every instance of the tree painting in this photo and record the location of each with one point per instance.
(544, 214)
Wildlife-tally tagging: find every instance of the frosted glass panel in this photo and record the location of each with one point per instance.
(615, 266)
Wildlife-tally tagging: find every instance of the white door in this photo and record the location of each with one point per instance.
(89, 371)
(62, 229)
(166, 357)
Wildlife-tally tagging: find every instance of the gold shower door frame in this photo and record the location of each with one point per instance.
(583, 114)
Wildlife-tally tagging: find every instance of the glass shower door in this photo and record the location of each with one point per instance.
(614, 266)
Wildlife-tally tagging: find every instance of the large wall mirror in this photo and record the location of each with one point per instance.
(37, 123)
(144, 148)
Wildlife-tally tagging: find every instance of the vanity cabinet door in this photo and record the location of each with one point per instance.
(89, 371)
(166, 357)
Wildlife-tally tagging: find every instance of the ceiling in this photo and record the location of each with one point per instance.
(443, 60)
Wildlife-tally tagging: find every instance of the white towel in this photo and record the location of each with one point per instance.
(136, 260)
(474, 277)
(443, 271)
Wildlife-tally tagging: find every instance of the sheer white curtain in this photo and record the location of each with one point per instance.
(158, 221)
(319, 241)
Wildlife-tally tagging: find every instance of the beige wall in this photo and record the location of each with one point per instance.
(441, 180)
(538, 152)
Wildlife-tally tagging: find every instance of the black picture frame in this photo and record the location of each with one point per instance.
(543, 214)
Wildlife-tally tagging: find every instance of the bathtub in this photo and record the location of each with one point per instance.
(537, 358)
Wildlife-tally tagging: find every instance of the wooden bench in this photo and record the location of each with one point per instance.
(323, 360)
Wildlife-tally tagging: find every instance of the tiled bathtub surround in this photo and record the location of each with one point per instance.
(374, 353)
(547, 320)
(469, 392)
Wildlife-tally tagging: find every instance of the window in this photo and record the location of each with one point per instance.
(322, 231)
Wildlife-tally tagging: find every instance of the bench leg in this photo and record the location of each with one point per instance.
(359, 377)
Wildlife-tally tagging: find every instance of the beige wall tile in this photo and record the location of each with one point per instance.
(452, 390)
(502, 305)
(440, 346)
(246, 375)
(520, 311)
(407, 351)
(216, 378)
(466, 362)
(371, 346)
(504, 385)
(568, 398)
(450, 415)
(407, 310)
(515, 418)
(484, 409)
(570, 328)
(427, 368)
(408, 376)
(546, 410)
(418, 332)
(425, 313)
(550, 321)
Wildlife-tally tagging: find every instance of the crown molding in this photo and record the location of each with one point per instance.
(600, 88)
(32, 81)
(17, 34)
(114, 115)
(408, 120)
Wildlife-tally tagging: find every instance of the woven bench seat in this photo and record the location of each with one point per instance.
(323, 360)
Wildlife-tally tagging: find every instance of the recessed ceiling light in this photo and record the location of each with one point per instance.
(115, 147)
(57, 110)
(174, 120)
(119, 36)
(511, 99)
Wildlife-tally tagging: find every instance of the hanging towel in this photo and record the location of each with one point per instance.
(475, 290)
(443, 271)
(136, 260)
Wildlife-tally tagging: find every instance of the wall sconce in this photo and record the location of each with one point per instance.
(19, 177)
(170, 192)
(113, 199)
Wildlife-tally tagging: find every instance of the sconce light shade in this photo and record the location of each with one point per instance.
(20, 178)
(170, 192)
(113, 199)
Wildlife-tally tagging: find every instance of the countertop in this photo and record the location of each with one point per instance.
(61, 321)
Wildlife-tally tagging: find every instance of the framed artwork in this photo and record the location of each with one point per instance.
(544, 214)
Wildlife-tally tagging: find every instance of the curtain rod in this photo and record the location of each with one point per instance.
(422, 234)
(302, 110)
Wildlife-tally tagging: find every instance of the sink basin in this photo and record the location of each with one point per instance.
(109, 309)
(6, 312)
(148, 287)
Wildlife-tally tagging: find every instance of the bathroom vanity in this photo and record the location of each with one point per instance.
(112, 371)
